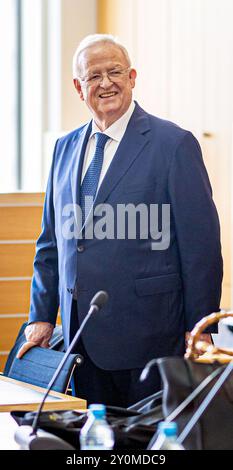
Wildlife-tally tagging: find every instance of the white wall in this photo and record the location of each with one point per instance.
(69, 21)
(8, 96)
(51, 31)
(78, 20)
(183, 53)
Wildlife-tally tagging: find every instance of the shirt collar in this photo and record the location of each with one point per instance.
(118, 128)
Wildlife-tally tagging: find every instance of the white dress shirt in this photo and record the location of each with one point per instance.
(115, 132)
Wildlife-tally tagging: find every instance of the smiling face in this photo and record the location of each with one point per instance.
(107, 100)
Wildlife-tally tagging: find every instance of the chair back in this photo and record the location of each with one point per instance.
(56, 342)
(38, 366)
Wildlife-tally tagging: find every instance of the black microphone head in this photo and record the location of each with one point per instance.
(99, 299)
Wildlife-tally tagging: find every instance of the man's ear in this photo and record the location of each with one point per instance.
(78, 88)
(132, 77)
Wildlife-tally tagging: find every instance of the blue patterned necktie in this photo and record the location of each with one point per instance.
(91, 179)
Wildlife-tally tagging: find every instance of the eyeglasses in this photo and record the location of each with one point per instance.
(114, 75)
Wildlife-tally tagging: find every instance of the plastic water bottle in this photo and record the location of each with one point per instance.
(96, 434)
(167, 437)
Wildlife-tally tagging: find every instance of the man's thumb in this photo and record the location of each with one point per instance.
(24, 348)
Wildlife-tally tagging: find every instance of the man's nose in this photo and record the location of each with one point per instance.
(105, 82)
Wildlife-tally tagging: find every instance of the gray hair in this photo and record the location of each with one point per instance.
(90, 41)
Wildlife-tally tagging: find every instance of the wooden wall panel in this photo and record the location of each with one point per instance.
(20, 226)
(15, 296)
(16, 259)
(20, 223)
(22, 198)
(3, 359)
(10, 327)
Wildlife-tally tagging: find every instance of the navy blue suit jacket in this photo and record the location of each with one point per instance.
(154, 296)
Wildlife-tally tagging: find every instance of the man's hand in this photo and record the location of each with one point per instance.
(37, 334)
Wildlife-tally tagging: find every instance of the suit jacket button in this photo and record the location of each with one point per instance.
(70, 290)
(80, 248)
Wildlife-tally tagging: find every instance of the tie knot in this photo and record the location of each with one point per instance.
(101, 139)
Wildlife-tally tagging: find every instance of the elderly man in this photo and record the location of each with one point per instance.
(156, 292)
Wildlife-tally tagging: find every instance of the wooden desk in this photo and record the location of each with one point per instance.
(15, 395)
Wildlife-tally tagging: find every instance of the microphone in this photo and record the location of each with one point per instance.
(99, 300)
(27, 436)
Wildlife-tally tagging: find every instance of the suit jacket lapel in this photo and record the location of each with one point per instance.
(134, 140)
(78, 152)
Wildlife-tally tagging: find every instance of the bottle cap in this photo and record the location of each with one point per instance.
(169, 429)
(98, 410)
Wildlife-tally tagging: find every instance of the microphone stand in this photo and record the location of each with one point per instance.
(27, 435)
(93, 309)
